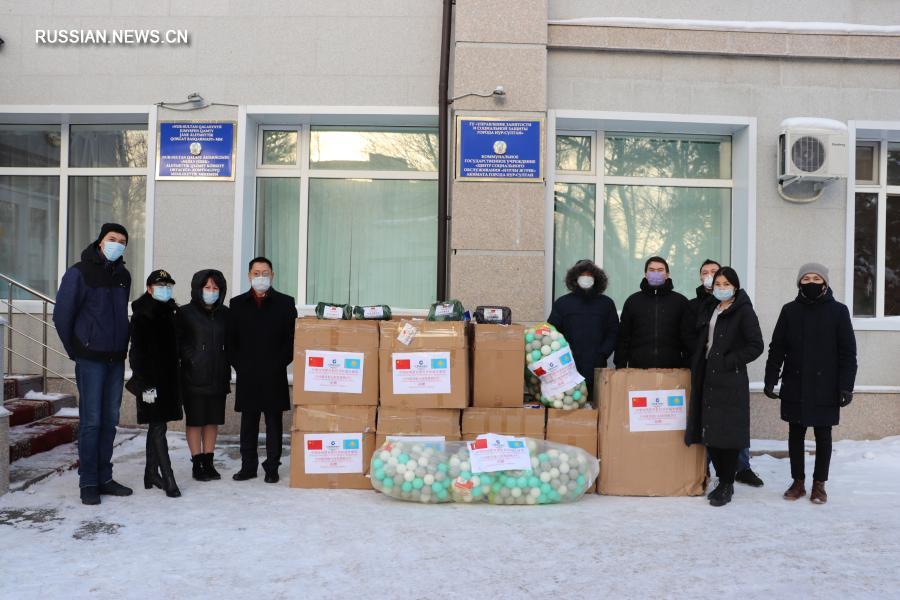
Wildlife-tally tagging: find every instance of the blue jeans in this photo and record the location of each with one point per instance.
(743, 460)
(100, 397)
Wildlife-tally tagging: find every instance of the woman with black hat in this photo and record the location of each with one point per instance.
(813, 352)
(719, 414)
(154, 381)
(205, 371)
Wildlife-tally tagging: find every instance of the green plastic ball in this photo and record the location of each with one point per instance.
(529, 337)
(377, 463)
(407, 486)
(417, 483)
(403, 459)
(536, 355)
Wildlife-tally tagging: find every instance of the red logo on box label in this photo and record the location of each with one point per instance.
(314, 444)
(316, 361)
(639, 402)
(401, 364)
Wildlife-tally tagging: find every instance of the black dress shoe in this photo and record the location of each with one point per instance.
(748, 477)
(722, 494)
(271, 477)
(113, 488)
(243, 475)
(90, 495)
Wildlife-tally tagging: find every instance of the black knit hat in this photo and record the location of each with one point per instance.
(114, 227)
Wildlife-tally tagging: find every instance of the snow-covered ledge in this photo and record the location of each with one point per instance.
(782, 39)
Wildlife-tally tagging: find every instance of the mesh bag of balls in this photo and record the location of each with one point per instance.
(549, 360)
(421, 472)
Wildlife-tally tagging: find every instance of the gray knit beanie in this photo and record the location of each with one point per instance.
(816, 268)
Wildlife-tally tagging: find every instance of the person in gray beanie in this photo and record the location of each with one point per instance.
(813, 352)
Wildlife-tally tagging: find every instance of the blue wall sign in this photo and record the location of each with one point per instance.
(196, 150)
(499, 149)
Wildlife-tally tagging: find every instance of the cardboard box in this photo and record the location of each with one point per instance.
(498, 366)
(576, 428)
(314, 343)
(423, 421)
(644, 462)
(312, 425)
(522, 422)
(440, 349)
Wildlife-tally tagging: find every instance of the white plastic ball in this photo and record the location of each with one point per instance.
(564, 467)
(384, 455)
(562, 490)
(545, 350)
(554, 473)
(401, 468)
(545, 477)
(428, 479)
(409, 475)
(515, 492)
(412, 465)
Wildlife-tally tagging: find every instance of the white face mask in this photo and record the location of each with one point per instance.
(261, 284)
(708, 282)
(585, 282)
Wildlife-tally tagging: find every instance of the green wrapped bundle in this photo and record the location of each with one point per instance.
(377, 312)
(332, 311)
(451, 310)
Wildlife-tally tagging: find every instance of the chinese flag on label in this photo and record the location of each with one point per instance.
(479, 444)
(639, 402)
(314, 444)
(540, 372)
(401, 364)
(316, 361)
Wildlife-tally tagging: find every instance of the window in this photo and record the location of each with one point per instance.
(90, 173)
(349, 215)
(662, 194)
(876, 229)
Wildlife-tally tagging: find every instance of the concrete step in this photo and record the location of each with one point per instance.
(37, 405)
(40, 436)
(18, 386)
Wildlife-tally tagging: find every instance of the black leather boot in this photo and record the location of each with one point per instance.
(210, 467)
(161, 447)
(151, 470)
(198, 469)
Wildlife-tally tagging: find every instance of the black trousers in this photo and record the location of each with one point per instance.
(250, 439)
(797, 452)
(725, 462)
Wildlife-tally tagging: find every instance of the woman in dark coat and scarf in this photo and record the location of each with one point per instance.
(205, 371)
(814, 343)
(154, 364)
(719, 415)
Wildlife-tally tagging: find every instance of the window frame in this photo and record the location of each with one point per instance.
(883, 133)
(743, 176)
(64, 117)
(255, 120)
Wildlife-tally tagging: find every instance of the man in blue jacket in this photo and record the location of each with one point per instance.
(91, 318)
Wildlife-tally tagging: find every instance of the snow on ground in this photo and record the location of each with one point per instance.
(237, 540)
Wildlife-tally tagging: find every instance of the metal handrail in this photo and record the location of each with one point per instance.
(45, 302)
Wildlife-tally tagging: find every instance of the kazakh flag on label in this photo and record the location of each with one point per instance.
(351, 363)
(438, 363)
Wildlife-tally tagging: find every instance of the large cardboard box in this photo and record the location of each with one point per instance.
(498, 365)
(431, 371)
(527, 421)
(331, 357)
(320, 458)
(576, 428)
(418, 421)
(642, 451)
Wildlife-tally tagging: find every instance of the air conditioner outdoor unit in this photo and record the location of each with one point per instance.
(812, 150)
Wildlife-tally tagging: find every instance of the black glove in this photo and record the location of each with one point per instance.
(771, 393)
(846, 398)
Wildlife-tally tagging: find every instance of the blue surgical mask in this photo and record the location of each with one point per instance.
(163, 293)
(210, 297)
(261, 284)
(655, 278)
(723, 294)
(113, 251)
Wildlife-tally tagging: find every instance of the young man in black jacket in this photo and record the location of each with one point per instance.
(260, 346)
(91, 318)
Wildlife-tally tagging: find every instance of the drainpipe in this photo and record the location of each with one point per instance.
(443, 146)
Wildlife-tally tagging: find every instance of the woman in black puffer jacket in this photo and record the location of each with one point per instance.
(205, 373)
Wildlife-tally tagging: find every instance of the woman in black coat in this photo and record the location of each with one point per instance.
(154, 365)
(205, 371)
(719, 414)
(814, 343)
(587, 318)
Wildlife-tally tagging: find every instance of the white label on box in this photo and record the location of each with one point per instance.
(493, 314)
(429, 441)
(442, 310)
(407, 333)
(491, 452)
(373, 312)
(657, 410)
(421, 372)
(327, 453)
(334, 372)
(557, 372)
(333, 312)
